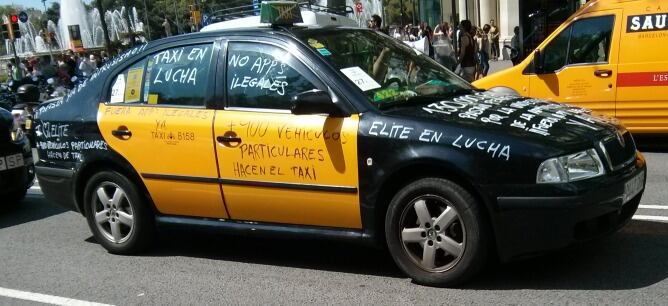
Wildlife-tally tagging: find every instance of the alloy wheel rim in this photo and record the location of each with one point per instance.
(432, 233)
(113, 213)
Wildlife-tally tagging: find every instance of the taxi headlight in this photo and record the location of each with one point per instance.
(16, 133)
(569, 168)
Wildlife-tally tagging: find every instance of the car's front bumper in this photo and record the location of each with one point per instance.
(537, 218)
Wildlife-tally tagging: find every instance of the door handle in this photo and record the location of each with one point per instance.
(603, 73)
(122, 133)
(228, 139)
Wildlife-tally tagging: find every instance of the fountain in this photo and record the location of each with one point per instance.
(369, 7)
(73, 12)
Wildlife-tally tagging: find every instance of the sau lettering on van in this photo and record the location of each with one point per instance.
(646, 23)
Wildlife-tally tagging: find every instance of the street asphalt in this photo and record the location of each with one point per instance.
(47, 250)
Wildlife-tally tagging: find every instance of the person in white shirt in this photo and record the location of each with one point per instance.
(86, 68)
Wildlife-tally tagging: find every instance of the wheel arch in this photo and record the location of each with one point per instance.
(426, 168)
(95, 165)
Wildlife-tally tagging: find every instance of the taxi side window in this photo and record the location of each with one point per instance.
(584, 41)
(126, 87)
(264, 76)
(178, 76)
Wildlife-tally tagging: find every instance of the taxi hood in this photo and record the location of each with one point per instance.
(508, 115)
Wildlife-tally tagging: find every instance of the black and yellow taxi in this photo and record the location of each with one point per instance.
(332, 132)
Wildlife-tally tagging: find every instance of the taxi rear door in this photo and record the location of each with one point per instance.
(580, 63)
(275, 166)
(156, 117)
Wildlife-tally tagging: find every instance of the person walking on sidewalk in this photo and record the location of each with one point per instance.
(483, 50)
(466, 55)
(494, 34)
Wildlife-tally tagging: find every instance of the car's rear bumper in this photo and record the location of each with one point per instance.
(17, 179)
(552, 216)
(56, 184)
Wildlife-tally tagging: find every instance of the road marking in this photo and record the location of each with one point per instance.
(650, 218)
(653, 206)
(35, 188)
(45, 298)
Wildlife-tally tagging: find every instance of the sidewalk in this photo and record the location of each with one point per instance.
(498, 66)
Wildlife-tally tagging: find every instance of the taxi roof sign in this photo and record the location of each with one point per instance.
(280, 12)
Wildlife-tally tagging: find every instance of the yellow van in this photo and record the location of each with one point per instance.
(611, 56)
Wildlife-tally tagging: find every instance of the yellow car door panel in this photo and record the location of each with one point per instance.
(584, 60)
(279, 167)
(157, 121)
(289, 169)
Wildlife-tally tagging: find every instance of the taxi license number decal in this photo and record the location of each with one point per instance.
(633, 187)
(118, 90)
(360, 78)
(11, 161)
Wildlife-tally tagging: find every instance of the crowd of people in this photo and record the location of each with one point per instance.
(65, 66)
(462, 47)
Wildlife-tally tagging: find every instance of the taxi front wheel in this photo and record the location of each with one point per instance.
(435, 232)
(117, 215)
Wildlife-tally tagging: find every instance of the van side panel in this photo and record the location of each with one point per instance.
(642, 79)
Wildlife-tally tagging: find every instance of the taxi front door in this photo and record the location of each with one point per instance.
(275, 166)
(580, 64)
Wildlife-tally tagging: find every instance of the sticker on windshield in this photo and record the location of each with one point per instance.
(118, 90)
(360, 78)
(315, 43)
(324, 52)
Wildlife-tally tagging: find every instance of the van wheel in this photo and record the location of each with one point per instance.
(117, 215)
(435, 232)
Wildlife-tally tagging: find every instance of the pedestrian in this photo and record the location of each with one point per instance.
(376, 23)
(484, 50)
(466, 55)
(515, 46)
(494, 34)
(86, 68)
(14, 72)
(70, 62)
(168, 27)
(104, 58)
(94, 61)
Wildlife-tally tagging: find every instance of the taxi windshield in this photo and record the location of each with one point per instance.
(389, 72)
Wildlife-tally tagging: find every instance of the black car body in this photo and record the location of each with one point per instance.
(486, 148)
(16, 163)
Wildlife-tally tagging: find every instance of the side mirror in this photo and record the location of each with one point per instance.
(538, 62)
(315, 102)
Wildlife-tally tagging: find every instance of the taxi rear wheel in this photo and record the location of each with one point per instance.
(435, 232)
(117, 215)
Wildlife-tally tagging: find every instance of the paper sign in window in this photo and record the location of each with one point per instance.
(118, 90)
(360, 78)
(133, 86)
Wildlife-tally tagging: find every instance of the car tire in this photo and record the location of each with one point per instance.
(436, 233)
(117, 214)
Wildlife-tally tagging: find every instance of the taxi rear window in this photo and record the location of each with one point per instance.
(175, 76)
